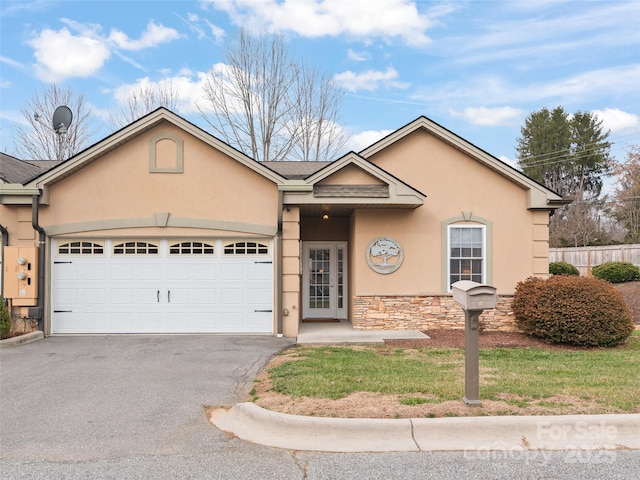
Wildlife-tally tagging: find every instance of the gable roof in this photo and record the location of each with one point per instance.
(538, 196)
(387, 192)
(135, 129)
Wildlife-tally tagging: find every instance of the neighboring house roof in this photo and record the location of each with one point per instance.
(296, 170)
(14, 170)
(539, 196)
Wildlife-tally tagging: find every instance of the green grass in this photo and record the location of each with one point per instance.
(519, 376)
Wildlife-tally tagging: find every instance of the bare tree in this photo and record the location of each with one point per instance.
(318, 136)
(626, 208)
(37, 140)
(144, 98)
(270, 106)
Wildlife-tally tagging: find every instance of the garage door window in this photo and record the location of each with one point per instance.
(136, 248)
(81, 248)
(246, 248)
(191, 248)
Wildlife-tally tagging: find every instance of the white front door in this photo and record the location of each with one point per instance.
(324, 277)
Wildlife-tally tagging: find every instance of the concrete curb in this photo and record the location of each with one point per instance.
(21, 339)
(572, 432)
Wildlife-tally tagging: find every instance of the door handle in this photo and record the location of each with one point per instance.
(169, 296)
(158, 296)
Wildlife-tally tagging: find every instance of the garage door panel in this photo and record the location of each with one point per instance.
(231, 296)
(94, 296)
(259, 296)
(161, 291)
(149, 272)
(259, 322)
(95, 321)
(178, 272)
(231, 321)
(205, 296)
(122, 271)
(205, 322)
(146, 296)
(208, 271)
(94, 272)
(260, 271)
(232, 272)
(150, 322)
(178, 296)
(67, 296)
(70, 321)
(121, 322)
(122, 296)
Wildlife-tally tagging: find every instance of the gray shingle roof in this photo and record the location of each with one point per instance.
(295, 170)
(14, 170)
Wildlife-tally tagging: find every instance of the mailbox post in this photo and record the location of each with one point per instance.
(473, 297)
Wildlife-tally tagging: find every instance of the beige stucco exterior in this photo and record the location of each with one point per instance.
(162, 177)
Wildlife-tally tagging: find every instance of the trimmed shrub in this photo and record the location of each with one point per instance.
(562, 268)
(616, 272)
(5, 320)
(575, 310)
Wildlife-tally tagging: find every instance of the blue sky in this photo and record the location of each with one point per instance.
(476, 67)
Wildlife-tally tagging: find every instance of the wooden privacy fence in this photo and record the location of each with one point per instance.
(583, 258)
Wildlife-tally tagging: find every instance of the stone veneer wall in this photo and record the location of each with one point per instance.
(425, 313)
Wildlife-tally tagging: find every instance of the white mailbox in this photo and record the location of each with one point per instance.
(474, 296)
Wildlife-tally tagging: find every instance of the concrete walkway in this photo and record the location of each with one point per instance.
(343, 332)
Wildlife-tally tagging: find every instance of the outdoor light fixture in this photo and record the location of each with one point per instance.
(325, 216)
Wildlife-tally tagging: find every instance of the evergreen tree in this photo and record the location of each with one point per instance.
(568, 154)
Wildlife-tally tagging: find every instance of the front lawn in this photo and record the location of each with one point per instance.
(333, 381)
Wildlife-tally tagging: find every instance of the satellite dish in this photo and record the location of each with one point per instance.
(62, 118)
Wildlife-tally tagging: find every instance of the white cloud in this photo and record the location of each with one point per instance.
(615, 119)
(217, 32)
(80, 50)
(187, 87)
(61, 55)
(362, 140)
(153, 36)
(358, 56)
(490, 116)
(5, 83)
(193, 21)
(509, 161)
(10, 61)
(369, 80)
(363, 19)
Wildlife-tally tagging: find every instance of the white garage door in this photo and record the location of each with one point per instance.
(162, 286)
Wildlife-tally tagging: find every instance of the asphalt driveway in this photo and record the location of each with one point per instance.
(73, 399)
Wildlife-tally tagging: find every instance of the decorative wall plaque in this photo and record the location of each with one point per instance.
(384, 255)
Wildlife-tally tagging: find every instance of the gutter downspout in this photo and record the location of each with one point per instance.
(39, 311)
(279, 264)
(5, 242)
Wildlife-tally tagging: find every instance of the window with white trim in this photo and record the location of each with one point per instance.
(136, 248)
(191, 248)
(81, 248)
(467, 253)
(246, 248)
